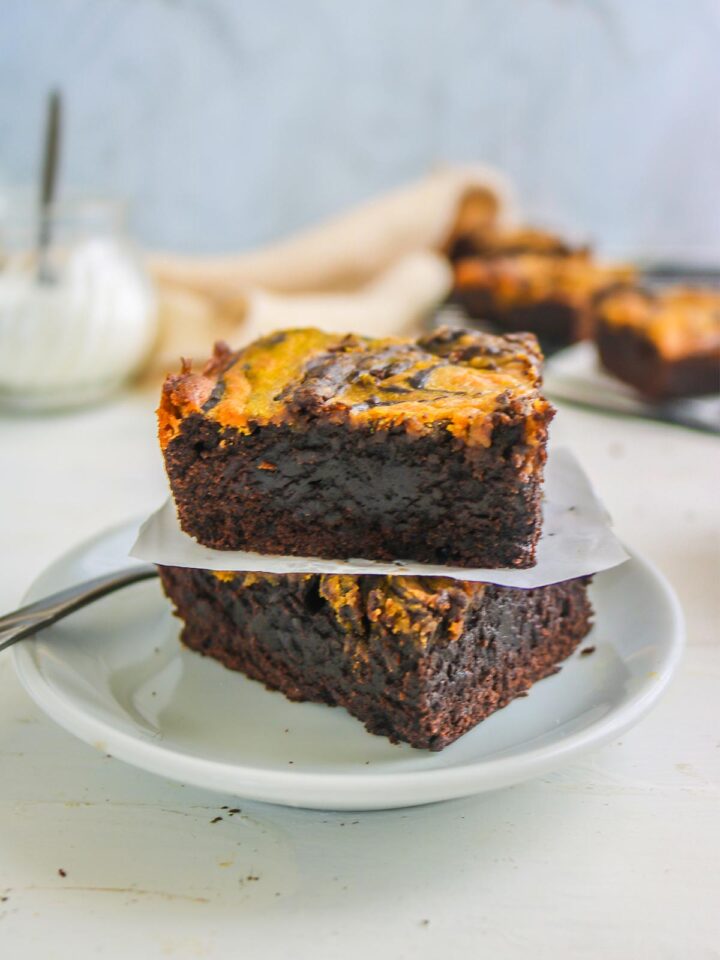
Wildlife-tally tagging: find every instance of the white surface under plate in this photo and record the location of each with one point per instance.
(115, 675)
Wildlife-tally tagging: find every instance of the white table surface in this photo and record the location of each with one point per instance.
(614, 857)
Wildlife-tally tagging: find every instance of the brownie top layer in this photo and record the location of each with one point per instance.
(679, 320)
(529, 277)
(414, 608)
(454, 379)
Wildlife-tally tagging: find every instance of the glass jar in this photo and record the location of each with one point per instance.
(78, 314)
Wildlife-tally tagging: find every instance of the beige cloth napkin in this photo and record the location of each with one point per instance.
(394, 303)
(377, 269)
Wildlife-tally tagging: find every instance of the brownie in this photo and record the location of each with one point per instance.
(418, 659)
(666, 344)
(551, 295)
(490, 240)
(313, 444)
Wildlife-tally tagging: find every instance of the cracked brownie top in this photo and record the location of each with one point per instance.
(458, 380)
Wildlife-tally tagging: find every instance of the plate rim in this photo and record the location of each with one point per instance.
(252, 782)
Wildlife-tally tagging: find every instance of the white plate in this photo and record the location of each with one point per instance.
(115, 675)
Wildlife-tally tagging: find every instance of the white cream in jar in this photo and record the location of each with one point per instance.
(82, 334)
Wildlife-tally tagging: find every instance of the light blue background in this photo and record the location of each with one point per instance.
(231, 123)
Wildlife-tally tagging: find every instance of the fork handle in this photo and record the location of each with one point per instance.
(28, 620)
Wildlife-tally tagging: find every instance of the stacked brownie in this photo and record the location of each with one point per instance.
(311, 444)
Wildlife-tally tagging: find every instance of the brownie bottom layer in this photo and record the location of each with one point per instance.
(421, 660)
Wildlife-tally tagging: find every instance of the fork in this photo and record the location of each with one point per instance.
(28, 620)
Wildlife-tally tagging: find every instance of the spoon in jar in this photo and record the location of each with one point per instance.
(50, 162)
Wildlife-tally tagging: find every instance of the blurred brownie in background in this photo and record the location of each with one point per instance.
(666, 344)
(488, 239)
(547, 289)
